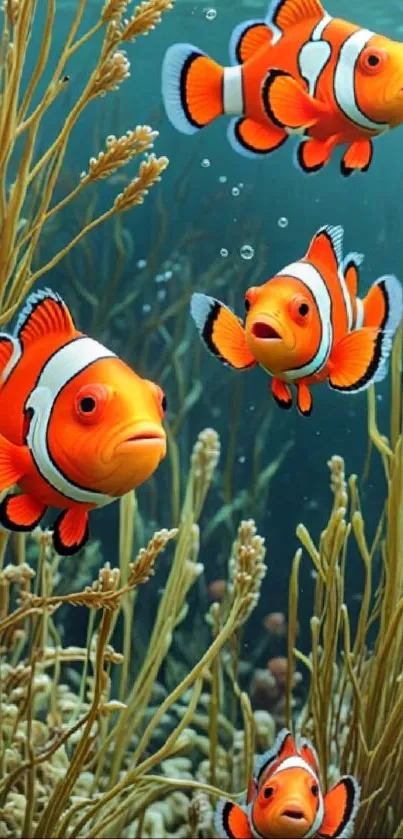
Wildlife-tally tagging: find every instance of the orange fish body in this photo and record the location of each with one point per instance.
(301, 72)
(78, 427)
(285, 799)
(308, 325)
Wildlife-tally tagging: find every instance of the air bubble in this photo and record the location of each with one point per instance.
(146, 308)
(205, 163)
(210, 14)
(223, 179)
(247, 252)
(283, 222)
(141, 263)
(223, 252)
(235, 191)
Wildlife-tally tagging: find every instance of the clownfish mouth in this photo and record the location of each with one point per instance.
(144, 435)
(263, 330)
(137, 438)
(297, 815)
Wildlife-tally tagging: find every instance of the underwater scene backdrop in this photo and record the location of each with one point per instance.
(129, 709)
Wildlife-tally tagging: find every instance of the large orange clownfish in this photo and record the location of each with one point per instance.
(285, 799)
(78, 427)
(301, 72)
(307, 325)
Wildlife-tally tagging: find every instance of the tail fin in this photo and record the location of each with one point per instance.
(383, 308)
(192, 88)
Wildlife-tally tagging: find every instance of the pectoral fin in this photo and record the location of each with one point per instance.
(221, 331)
(355, 360)
(231, 821)
(13, 463)
(341, 805)
(288, 104)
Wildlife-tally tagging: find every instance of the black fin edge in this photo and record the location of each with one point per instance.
(182, 85)
(346, 171)
(271, 77)
(255, 25)
(6, 522)
(309, 170)
(374, 363)
(64, 550)
(253, 149)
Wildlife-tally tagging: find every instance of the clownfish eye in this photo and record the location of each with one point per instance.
(162, 400)
(87, 405)
(314, 789)
(268, 792)
(250, 297)
(373, 60)
(90, 402)
(299, 309)
(159, 396)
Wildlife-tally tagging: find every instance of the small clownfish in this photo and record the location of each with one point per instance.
(307, 325)
(299, 71)
(285, 800)
(78, 427)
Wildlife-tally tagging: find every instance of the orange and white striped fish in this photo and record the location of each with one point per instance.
(78, 427)
(301, 72)
(307, 325)
(285, 799)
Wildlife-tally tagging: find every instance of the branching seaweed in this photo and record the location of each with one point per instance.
(99, 744)
(29, 175)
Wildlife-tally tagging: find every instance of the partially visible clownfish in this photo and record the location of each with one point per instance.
(307, 325)
(78, 427)
(299, 71)
(285, 799)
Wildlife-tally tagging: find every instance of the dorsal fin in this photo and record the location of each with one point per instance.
(284, 14)
(44, 312)
(252, 790)
(351, 265)
(282, 748)
(10, 354)
(327, 247)
(247, 38)
(6, 350)
(309, 754)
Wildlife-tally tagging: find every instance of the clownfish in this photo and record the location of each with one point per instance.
(78, 427)
(299, 71)
(285, 800)
(307, 325)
